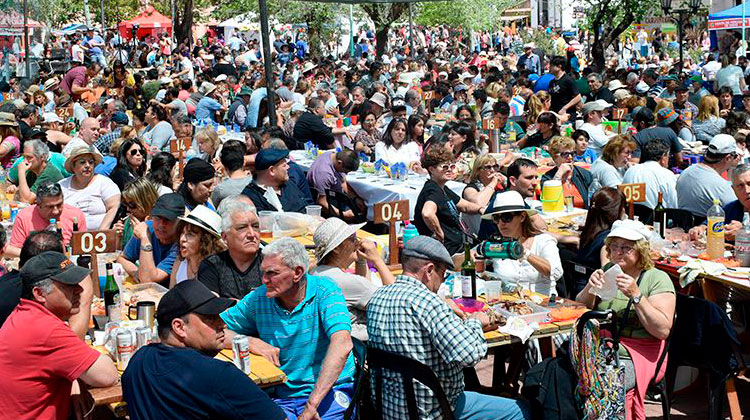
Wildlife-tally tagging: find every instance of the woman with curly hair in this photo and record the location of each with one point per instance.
(200, 236)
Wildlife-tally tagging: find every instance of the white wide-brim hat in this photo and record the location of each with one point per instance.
(204, 218)
(507, 202)
(330, 234)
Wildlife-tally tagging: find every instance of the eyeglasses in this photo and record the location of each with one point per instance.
(85, 161)
(617, 249)
(495, 168)
(567, 154)
(134, 152)
(447, 167)
(504, 217)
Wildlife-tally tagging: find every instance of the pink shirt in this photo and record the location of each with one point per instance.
(29, 220)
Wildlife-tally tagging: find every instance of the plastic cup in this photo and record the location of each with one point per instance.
(493, 291)
(266, 219)
(353, 119)
(347, 122)
(313, 210)
(339, 123)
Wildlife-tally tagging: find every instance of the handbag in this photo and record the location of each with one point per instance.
(600, 391)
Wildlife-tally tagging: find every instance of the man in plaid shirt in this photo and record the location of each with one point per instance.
(410, 319)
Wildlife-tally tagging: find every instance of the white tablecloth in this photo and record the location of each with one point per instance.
(380, 189)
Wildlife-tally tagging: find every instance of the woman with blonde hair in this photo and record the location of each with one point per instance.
(708, 123)
(138, 198)
(208, 144)
(484, 179)
(538, 104)
(615, 160)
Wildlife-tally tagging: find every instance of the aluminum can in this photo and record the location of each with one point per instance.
(241, 349)
(142, 337)
(125, 348)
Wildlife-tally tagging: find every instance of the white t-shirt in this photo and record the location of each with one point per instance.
(524, 274)
(77, 53)
(407, 153)
(90, 200)
(657, 179)
(74, 143)
(697, 187)
(730, 76)
(608, 175)
(598, 137)
(187, 64)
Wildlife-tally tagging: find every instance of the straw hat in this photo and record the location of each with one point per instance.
(206, 88)
(49, 83)
(81, 151)
(204, 218)
(330, 234)
(8, 119)
(507, 202)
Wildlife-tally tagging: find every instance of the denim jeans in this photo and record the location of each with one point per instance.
(475, 406)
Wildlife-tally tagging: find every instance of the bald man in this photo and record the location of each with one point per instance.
(87, 135)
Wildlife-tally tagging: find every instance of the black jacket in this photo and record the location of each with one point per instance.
(310, 127)
(292, 198)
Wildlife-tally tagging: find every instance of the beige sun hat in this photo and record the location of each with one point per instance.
(330, 234)
(80, 151)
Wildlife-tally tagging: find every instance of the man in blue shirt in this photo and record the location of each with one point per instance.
(154, 243)
(302, 324)
(271, 188)
(208, 105)
(157, 385)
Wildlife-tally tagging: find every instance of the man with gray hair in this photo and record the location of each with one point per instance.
(35, 169)
(410, 319)
(300, 322)
(734, 211)
(597, 90)
(235, 272)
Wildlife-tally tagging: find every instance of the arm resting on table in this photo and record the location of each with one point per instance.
(101, 374)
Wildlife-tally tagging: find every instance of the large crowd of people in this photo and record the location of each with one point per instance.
(101, 147)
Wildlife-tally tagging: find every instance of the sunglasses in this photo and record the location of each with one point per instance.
(567, 154)
(495, 168)
(130, 206)
(447, 167)
(504, 217)
(134, 152)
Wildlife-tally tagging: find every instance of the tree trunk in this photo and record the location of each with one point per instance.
(597, 54)
(381, 37)
(184, 22)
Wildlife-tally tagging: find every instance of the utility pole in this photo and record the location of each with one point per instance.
(267, 61)
(26, 37)
(104, 22)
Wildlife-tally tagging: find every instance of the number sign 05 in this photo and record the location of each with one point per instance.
(391, 212)
(98, 241)
(635, 193)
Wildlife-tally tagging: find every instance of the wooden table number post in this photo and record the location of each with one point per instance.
(94, 242)
(619, 114)
(634, 193)
(391, 213)
(178, 147)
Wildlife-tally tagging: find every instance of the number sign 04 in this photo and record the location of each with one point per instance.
(391, 212)
(634, 193)
(97, 242)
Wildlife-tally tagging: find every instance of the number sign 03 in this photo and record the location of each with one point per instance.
(635, 193)
(391, 212)
(97, 241)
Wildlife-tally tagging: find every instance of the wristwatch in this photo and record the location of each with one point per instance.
(637, 299)
(147, 247)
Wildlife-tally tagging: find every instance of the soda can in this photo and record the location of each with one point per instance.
(125, 348)
(142, 337)
(13, 213)
(241, 349)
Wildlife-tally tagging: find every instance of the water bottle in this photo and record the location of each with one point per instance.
(52, 225)
(410, 231)
(715, 233)
(742, 243)
(593, 188)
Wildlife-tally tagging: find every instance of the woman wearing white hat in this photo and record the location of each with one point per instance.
(336, 248)
(200, 236)
(539, 268)
(645, 296)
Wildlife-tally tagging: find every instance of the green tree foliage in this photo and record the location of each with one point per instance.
(468, 14)
(383, 15)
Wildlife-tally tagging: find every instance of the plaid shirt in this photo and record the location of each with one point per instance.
(104, 142)
(408, 319)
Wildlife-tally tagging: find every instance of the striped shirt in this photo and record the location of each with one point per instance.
(408, 319)
(303, 334)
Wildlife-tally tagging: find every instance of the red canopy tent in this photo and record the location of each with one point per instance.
(150, 22)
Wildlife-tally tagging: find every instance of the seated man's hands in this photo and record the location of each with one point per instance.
(261, 348)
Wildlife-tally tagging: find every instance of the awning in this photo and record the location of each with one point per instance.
(730, 18)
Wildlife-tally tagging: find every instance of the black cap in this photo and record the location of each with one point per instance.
(643, 114)
(169, 206)
(52, 265)
(190, 296)
(269, 157)
(681, 88)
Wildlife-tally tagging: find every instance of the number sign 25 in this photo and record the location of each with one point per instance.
(97, 241)
(635, 193)
(391, 212)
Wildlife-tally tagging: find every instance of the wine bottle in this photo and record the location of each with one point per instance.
(111, 295)
(660, 217)
(469, 273)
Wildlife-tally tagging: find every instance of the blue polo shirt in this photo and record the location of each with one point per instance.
(303, 334)
(164, 255)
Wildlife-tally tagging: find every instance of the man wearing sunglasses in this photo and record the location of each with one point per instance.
(49, 205)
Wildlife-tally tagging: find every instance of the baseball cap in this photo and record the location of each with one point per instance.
(722, 144)
(52, 265)
(269, 157)
(631, 230)
(169, 206)
(681, 88)
(50, 117)
(426, 248)
(120, 118)
(597, 105)
(190, 296)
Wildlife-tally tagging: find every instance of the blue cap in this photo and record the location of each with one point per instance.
(533, 77)
(120, 118)
(269, 157)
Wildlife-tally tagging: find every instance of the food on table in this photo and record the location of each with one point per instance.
(728, 262)
(517, 307)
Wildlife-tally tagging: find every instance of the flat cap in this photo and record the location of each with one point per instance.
(427, 248)
(269, 157)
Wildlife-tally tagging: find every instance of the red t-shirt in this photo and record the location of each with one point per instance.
(40, 357)
(29, 220)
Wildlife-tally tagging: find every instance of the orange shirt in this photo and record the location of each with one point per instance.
(570, 190)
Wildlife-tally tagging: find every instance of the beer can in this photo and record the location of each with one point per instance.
(241, 349)
(125, 348)
(142, 337)
(13, 213)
